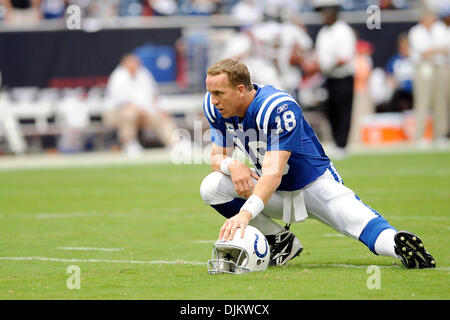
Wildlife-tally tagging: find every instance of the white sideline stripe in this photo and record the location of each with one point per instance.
(194, 263)
(82, 160)
(91, 248)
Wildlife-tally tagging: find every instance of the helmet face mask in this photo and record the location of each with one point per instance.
(241, 255)
(228, 259)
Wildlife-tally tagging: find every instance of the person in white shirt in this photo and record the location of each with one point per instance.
(132, 97)
(22, 12)
(429, 54)
(445, 14)
(248, 12)
(336, 51)
(294, 42)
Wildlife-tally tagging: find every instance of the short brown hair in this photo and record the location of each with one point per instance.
(236, 71)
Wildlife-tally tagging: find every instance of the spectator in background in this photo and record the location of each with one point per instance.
(362, 100)
(294, 44)
(445, 13)
(429, 54)
(129, 8)
(248, 12)
(53, 9)
(22, 12)
(386, 5)
(163, 7)
(200, 7)
(255, 46)
(101, 9)
(272, 48)
(336, 49)
(400, 74)
(132, 97)
(436, 6)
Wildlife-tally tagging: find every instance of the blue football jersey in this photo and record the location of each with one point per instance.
(273, 121)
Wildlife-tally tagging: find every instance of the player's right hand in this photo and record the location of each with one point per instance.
(242, 177)
(240, 220)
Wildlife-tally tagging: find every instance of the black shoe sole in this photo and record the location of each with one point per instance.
(295, 255)
(272, 262)
(412, 251)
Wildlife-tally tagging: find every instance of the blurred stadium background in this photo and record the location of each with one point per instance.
(55, 62)
(141, 231)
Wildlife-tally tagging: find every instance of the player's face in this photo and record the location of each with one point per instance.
(226, 98)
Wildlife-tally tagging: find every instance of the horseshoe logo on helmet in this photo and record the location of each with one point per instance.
(255, 246)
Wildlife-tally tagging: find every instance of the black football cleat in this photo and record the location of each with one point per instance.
(412, 252)
(284, 246)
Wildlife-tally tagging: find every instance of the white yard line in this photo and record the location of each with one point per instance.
(424, 217)
(354, 266)
(91, 248)
(67, 215)
(194, 263)
(64, 215)
(203, 241)
(334, 235)
(87, 215)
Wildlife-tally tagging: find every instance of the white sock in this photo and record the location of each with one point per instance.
(266, 225)
(384, 245)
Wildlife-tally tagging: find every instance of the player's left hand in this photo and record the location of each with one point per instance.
(230, 226)
(242, 177)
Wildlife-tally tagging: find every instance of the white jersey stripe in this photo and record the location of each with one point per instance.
(263, 106)
(270, 109)
(206, 108)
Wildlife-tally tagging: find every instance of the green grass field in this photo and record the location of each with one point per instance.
(159, 235)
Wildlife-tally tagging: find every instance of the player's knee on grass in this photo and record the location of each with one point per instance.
(212, 189)
(216, 190)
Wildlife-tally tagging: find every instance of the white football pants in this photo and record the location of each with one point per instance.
(326, 200)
